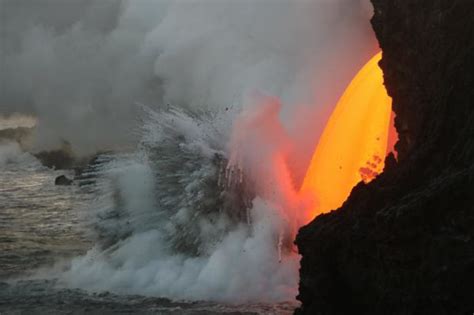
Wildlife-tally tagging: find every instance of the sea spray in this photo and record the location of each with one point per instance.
(168, 229)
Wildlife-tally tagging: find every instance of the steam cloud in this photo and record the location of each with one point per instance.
(81, 66)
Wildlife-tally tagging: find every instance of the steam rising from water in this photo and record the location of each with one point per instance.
(11, 153)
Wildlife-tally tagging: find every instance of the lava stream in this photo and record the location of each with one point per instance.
(354, 142)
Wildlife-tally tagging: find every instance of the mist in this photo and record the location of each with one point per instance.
(81, 67)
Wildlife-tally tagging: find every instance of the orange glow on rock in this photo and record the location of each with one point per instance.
(353, 145)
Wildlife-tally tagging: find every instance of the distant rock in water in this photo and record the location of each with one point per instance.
(404, 243)
(62, 181)
(60, 159)
(64, 159)
(56, 159)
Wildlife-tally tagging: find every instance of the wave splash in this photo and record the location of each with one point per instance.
(172, 222)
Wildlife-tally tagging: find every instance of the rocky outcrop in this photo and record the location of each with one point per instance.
(404, 244)
(62, 180)
(64, 158)
(60, 159)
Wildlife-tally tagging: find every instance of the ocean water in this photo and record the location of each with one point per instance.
(39, 222)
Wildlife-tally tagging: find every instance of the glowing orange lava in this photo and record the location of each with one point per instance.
(353, 145)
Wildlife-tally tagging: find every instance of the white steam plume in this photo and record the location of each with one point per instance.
(80, 66)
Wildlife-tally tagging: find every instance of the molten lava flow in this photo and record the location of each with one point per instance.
(354, 143)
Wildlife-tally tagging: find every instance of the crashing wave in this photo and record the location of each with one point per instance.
(194, 202)
(172, 222)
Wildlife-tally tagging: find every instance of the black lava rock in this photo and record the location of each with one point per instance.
(59, 159)
(62, 181)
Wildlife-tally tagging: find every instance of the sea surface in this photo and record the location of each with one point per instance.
(42, 225)
(39, 222)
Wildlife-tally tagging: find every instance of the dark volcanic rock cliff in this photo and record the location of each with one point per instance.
(404, 244)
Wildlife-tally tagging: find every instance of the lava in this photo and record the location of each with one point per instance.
(353, 145)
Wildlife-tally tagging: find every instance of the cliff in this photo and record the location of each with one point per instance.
(404, 244)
